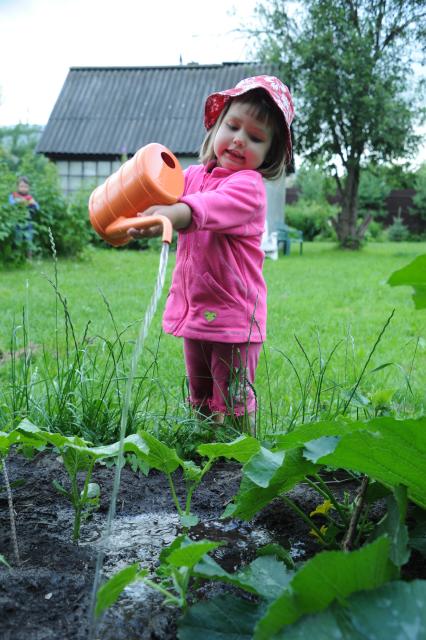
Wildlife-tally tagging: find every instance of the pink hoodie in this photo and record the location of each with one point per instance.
(218, 292)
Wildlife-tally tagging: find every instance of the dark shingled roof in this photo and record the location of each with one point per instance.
(116, 110)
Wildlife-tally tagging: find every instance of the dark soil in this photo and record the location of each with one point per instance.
(48, 596)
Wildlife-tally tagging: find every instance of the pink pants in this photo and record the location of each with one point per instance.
(221, 375)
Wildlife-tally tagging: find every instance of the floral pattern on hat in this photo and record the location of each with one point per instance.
(278, 91)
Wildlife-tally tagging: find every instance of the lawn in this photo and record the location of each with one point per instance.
(327, 310)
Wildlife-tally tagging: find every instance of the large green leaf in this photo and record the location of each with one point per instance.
(262, 467)
(311, 432)
(388, 450)
(328, 576)
(190, 552)
(160, 456)
(131, 444)
(5, 443)
(394, 611)
(240, 449)
(29, 433)
(221, 618)
(266, 576)
(413, 275)
(393, 525)
(396, 450)
(113, 588)
(251, 497)
(17, 436)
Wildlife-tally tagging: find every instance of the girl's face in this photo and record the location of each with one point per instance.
(242, 141)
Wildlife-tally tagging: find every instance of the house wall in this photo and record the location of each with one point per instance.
(275, 193)
(77, 174)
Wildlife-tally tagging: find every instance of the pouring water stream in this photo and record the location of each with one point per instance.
(143, 332)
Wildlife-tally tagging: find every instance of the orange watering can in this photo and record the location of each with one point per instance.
(152, 176)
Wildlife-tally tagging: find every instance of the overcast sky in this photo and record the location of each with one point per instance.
(41, 39)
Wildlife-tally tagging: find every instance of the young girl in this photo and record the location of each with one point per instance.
(217, 300)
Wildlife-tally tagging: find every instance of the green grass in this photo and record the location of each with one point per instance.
(326, 310)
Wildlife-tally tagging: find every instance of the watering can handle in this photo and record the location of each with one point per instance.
(118, 228)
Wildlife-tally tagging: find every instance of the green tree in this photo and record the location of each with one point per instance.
(313, 183)
(18, 141)
(398, 176)
(372, 192)
(349, 66)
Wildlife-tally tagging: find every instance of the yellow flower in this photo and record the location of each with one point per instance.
(322, 508)
(323, 531)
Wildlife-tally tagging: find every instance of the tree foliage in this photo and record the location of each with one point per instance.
(17, 141)
(349, 66)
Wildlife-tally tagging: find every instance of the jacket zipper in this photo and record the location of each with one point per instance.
(185, 266)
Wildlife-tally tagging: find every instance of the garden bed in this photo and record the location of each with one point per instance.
(48, 596)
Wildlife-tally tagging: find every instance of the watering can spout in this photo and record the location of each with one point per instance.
(152, 177)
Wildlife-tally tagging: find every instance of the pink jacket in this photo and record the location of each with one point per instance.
(218, 292)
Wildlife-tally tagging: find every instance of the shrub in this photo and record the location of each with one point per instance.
(398, 232)
(73, 228)
(12, 250)
(67, 219)
(375, 231)
(310, 217)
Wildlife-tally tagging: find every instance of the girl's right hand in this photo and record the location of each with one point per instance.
(179, 214)
(147, 232)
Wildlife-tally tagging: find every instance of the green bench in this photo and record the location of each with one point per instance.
(287, 235)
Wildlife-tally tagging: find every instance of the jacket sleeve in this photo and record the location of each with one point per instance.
(236, 207)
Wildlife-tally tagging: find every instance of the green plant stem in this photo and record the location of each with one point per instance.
(80, 502)
(324, 490)
(196, 484)
(359, 502)
(181, 582)
(163, 591)
(174, 496)
(304, 517)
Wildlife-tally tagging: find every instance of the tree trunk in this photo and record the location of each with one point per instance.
(349, 233)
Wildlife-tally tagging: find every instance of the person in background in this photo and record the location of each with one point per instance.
(25, 232)
(217, 300)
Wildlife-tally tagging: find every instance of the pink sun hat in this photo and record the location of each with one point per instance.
(278, 91)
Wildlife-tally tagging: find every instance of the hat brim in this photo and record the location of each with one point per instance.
(215, 103)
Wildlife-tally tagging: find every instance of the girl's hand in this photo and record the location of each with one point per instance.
(179, 214)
